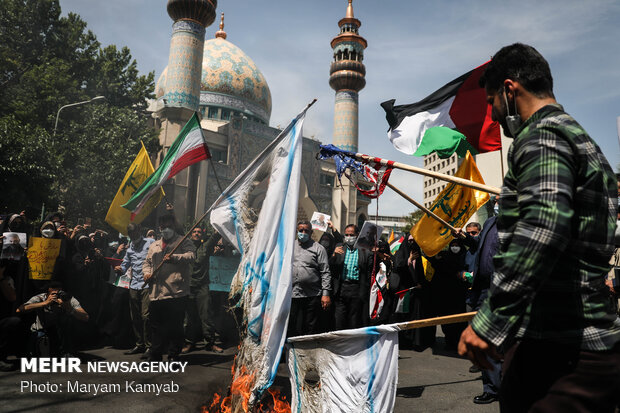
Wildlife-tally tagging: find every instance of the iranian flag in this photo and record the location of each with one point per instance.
(188, 148)
(454, 118)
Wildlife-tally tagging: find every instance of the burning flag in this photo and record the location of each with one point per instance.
(263, 280)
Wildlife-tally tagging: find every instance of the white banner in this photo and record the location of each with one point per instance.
(344, 371)
(264, 277)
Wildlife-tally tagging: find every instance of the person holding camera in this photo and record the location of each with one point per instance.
(56, 309)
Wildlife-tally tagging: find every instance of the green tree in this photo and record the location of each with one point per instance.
(47, 61)
(413, 219)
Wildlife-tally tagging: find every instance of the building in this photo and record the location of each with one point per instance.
(389, 223)
(347, 78)
(223, 84)
(492, 167)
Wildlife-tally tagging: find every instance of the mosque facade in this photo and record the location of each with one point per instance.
(223, 84)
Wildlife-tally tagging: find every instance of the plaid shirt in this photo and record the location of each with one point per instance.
(556, 227)
(351, 270)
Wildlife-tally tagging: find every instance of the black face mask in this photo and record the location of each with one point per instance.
(17, 226)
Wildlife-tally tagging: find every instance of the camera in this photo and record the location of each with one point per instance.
(64, 296)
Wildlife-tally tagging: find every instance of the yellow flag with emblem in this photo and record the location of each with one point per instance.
(119, 217)
(455, 205)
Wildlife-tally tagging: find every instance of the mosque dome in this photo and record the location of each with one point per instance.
(230, 82)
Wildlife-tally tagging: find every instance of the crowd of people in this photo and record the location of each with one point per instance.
(161, 310)
(332, 281)
(546, 332)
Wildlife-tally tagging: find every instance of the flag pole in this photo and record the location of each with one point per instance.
(422, 171)
(207, 211)
(423, 208)
(429, 322)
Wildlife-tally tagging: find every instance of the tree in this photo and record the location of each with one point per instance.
(47, 61)
(413, 219)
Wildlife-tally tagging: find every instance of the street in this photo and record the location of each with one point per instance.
(430, 381)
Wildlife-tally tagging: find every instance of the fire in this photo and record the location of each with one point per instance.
(240, 389)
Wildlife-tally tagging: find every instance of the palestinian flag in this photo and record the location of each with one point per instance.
(188, 148)
(404, 301)
(452, 119)
(395, 244)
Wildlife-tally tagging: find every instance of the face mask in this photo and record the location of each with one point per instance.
(350, 240)
(455, 249)
(47, 233)
(513, 122)
(303, 237)
(167, 233)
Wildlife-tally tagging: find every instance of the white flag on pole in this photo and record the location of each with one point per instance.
(263, 280)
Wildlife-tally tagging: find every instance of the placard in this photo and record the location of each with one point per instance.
(42, 255)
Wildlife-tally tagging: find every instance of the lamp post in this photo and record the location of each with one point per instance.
(74, 104)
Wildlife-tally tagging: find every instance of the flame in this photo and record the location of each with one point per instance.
(241, 389)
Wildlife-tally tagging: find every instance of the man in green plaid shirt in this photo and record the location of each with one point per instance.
(549, 308)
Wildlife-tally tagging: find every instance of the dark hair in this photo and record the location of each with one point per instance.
(57, 214)
(54, 285)
(131, 227)
(304, 222)
(167, 218)
(474, 224)
(521, 63)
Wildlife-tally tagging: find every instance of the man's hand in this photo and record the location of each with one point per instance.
(147, 277)
(168, 258)
(65, 305)
(51, 298)
(118, 269)
(121, 248)
(610, 285)
(458, 233)
(339, 250)
(476, 349)
(326, 301)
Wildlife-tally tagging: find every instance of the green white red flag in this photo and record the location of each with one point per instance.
(188, 148)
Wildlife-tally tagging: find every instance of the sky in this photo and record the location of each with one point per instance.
(414, 47)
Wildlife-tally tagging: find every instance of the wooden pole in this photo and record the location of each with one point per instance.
(443, 177)
(428, 322)
(422, 207)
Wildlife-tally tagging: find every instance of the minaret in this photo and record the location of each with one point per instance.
(182, 93)
(347, 78)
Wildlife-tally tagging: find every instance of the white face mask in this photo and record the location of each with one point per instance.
(512, 121)
(455, 249)
(167, 233)
(47, 233)
(350, 240)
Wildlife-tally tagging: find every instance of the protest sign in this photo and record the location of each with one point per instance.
(319, 221)
(221, 272)
(369, 235)
(42, 254)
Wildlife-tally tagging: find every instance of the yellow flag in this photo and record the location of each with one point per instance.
(455, 205)
(391, 237)
(429, 271)
(119, 217)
